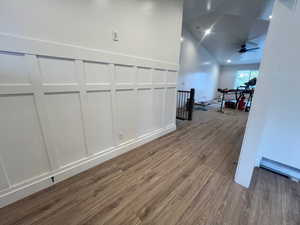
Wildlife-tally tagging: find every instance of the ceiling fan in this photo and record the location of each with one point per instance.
(244, 49)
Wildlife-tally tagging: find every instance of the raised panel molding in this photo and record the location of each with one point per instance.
(170, 106)
(97, 73)
(65, 109)
(159, 77)
(171, 77)
(99, 121)
(3, 177)
(144, 75)
(57, 70)
(22, 148)
(126, 101)
(65, 127)
(124, 75)
(158, 107)
(13, 70)
(145, 112)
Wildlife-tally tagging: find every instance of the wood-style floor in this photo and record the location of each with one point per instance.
(184, 178)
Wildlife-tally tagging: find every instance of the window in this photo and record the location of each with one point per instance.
(244, 76)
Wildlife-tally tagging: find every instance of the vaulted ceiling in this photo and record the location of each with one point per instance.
(232, 22)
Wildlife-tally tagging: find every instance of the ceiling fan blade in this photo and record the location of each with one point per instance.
(252, 49)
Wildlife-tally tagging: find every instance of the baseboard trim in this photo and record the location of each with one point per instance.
(20, 191)
(280, 168)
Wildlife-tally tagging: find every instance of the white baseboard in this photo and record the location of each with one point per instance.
(27, 188)
(280, 168)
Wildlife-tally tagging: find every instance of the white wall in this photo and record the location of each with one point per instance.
(146, 28)
(67, 108)
(273, 125)
(228, 74)
(198, 69)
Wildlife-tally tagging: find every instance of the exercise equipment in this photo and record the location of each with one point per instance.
(240, 97)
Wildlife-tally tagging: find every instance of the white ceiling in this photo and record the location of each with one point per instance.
(232, 22)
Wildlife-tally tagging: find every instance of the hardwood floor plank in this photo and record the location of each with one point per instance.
(183, 178)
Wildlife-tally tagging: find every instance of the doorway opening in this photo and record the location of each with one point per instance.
(221, 49)
(222, 46)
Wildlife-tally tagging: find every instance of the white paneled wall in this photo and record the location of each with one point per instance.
(65, 126)
(126, 114)
(64, 109)
(3, 179)
(99, 126)
(145, 114)
(158, 107)
(170, 104)
(22, 146)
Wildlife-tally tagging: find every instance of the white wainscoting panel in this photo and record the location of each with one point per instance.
(144, 114)
(126, 101)
(158, 107)
(159, 76)
(144, 76)
(170, 106)
(171, 77)
(97, 73)
(57, 70)
(13, 69)
(65, 126)
(3, 179)
(65, 109)
(124, 75)
(22, 147)
(99, 121)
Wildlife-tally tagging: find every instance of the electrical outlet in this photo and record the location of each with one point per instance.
(121, 136)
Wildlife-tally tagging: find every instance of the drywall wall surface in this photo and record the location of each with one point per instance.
(280, 138)
(148, 29)
(273, 126)
(198, 69)
(228, 74)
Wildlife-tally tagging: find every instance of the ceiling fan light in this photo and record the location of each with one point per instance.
(207, 32)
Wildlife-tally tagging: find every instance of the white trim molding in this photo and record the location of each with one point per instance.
(65, 109)
(28, 45)
(29, 187)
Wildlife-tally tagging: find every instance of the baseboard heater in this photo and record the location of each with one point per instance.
(280, 168)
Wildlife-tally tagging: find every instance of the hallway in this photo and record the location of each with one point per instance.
(183, 178)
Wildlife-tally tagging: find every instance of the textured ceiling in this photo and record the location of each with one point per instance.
(232, 22)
